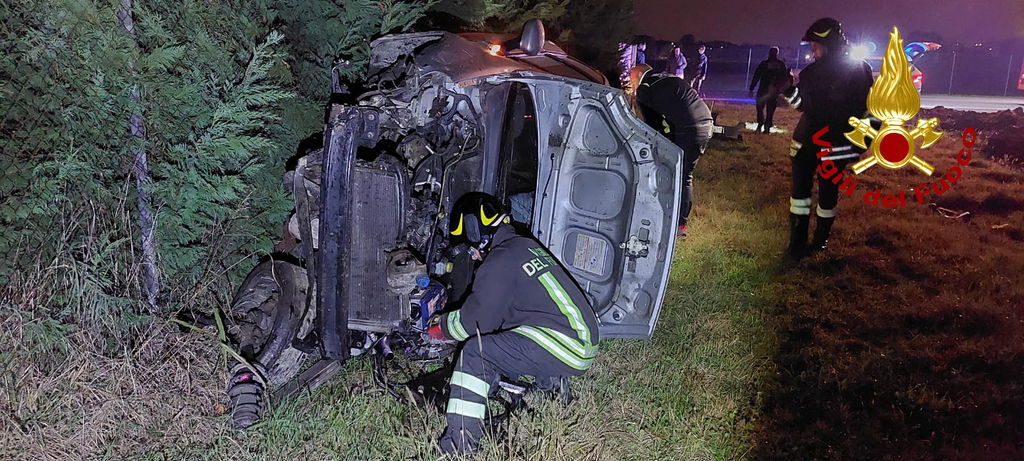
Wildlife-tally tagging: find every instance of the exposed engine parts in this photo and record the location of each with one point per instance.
(423, 125)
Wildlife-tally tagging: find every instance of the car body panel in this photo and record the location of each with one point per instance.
(610, 202)
(604, 176)
(465, 57)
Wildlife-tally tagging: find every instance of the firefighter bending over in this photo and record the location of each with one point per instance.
(668, 104)
(523, 316)
(831, 90)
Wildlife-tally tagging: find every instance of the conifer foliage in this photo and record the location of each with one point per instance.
(203, 72)
(322, 31)
(226, 90)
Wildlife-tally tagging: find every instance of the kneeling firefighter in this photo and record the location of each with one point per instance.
(524, 315)
(831, 90)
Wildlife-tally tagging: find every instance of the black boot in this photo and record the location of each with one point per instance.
(822, 229)
(556, 388)
(798, 235)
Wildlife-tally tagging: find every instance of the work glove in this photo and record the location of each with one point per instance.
(435, 332)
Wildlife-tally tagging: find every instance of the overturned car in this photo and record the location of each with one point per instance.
(448, 114)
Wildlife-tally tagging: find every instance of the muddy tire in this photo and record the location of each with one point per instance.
(266, 315)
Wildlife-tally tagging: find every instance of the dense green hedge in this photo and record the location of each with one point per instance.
(226, 97)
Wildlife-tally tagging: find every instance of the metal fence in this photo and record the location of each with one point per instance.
(964, 71)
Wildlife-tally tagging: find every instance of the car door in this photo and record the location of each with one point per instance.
(607, 200)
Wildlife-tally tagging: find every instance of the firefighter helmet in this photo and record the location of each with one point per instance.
(826, 31)
(475, 217)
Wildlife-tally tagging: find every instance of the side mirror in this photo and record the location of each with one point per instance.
(532, 39)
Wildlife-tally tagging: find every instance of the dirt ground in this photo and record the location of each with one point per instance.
(906, 340)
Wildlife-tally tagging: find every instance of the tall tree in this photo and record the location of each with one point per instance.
(217, 86)
(72, 81)
(593, 29)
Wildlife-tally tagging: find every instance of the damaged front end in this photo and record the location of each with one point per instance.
(444, 115)
(366, 236)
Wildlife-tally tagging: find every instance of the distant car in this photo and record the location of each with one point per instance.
(915, 74)
(915, 50)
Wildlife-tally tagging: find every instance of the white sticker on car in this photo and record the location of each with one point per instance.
(590, 254)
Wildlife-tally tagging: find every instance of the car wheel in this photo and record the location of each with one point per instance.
(265, 316)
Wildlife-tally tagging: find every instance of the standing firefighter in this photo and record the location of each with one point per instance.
(770, 78)
(669, 105)
(831, 90)
(524, 316)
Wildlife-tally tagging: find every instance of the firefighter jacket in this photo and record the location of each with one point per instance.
(520, 287)
(670, 105)
(830, 91)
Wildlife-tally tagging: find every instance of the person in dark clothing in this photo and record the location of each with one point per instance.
(524, 315)
(770, 78)
(701, 72)
(676, 64)
(831, 90)
(641, 53)
(668, 104)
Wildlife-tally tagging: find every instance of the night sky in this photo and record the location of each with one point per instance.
(783, 22)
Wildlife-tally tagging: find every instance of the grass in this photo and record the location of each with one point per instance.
(903, 341)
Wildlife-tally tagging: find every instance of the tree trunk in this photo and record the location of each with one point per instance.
(137, 128)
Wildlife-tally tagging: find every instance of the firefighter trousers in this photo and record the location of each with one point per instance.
(484, 359)
(692, 142)
(805, 169)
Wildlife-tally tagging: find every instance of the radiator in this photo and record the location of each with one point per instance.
(377, 222)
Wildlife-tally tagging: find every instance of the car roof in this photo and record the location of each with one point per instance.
(465, 56)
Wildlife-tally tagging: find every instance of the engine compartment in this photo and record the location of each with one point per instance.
(427, 153)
